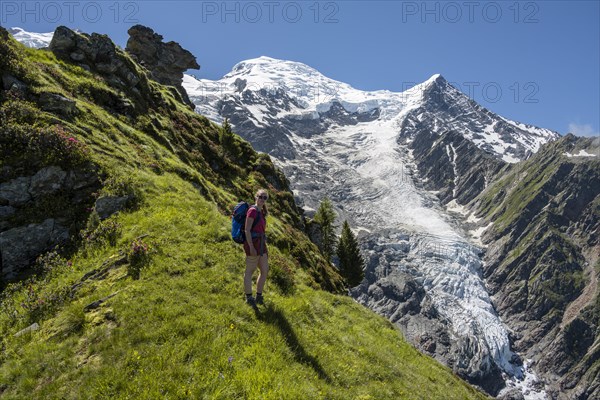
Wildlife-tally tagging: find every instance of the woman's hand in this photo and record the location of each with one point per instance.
(253, 252)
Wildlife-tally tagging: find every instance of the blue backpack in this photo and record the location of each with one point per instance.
(238, 221)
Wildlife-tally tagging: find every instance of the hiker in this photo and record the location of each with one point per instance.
(255, 247)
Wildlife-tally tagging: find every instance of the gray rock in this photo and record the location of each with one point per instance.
(9, 82)
(16, 191)
(76, 180)
(20, 246)
(166, 61)
(46, 181)
(56, 103)
(109, 205)
(31, 328)
(6, 211)
(77, 56)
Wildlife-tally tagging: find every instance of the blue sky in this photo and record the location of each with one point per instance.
(536, 62)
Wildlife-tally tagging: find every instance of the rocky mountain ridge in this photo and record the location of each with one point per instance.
(542, 261)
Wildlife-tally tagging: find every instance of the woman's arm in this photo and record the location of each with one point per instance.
(247, 230)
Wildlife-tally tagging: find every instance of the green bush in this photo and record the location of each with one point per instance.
(123, 186)
(99, 233)
(138, 257)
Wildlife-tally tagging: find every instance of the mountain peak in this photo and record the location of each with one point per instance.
(436, 78)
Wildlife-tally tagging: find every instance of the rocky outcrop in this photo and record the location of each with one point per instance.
(20, 246)
(40, 211)
(166, 61)
(542, 261)
(97, 53)
(94, 52)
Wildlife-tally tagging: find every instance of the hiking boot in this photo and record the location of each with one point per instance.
(260, 300)
(250, 301)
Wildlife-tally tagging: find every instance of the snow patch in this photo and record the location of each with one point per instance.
(582, 153)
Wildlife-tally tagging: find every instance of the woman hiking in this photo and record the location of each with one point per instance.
(255, 247)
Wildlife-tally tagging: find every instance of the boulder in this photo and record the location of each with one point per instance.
(56, 103)
(109, 205)
(16, 191)
(46, 181)
(9, 82)
(19, 246)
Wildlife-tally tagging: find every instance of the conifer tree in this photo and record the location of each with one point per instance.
(351, 261)
(325, 217)
(226, 136)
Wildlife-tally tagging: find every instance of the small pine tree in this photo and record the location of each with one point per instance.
(351, 261)
(226, 136)
(325, 217)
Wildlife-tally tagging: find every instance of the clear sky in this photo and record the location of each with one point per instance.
(536, 62)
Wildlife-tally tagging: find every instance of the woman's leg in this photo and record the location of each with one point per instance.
(263, 266)
(251, 264)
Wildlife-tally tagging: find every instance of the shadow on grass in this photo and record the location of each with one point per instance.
(273, 316)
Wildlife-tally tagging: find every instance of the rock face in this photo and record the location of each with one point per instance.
(31, 218)
(542, 261)
(95, 52)
(20, 246)
(451, 164)
(166, 61)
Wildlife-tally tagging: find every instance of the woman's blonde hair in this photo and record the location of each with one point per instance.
(264, 210)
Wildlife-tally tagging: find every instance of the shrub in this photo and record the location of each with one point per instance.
(138, 257)
(123, 186)
(99, 233)
(22, 143)
(50, 262)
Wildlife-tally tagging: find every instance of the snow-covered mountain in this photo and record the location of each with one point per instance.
(302, 93)
(31, 39)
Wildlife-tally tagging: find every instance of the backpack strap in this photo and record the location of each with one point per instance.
(258, 216)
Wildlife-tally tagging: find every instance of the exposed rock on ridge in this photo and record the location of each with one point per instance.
(166, 61)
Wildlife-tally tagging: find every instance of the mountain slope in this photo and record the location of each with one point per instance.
(181, 329)
(542, 262)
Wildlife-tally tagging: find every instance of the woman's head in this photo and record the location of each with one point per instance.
(261, 198)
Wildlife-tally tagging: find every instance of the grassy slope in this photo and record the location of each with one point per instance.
(182, 330)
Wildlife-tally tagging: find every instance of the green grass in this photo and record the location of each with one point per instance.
(182, 330)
